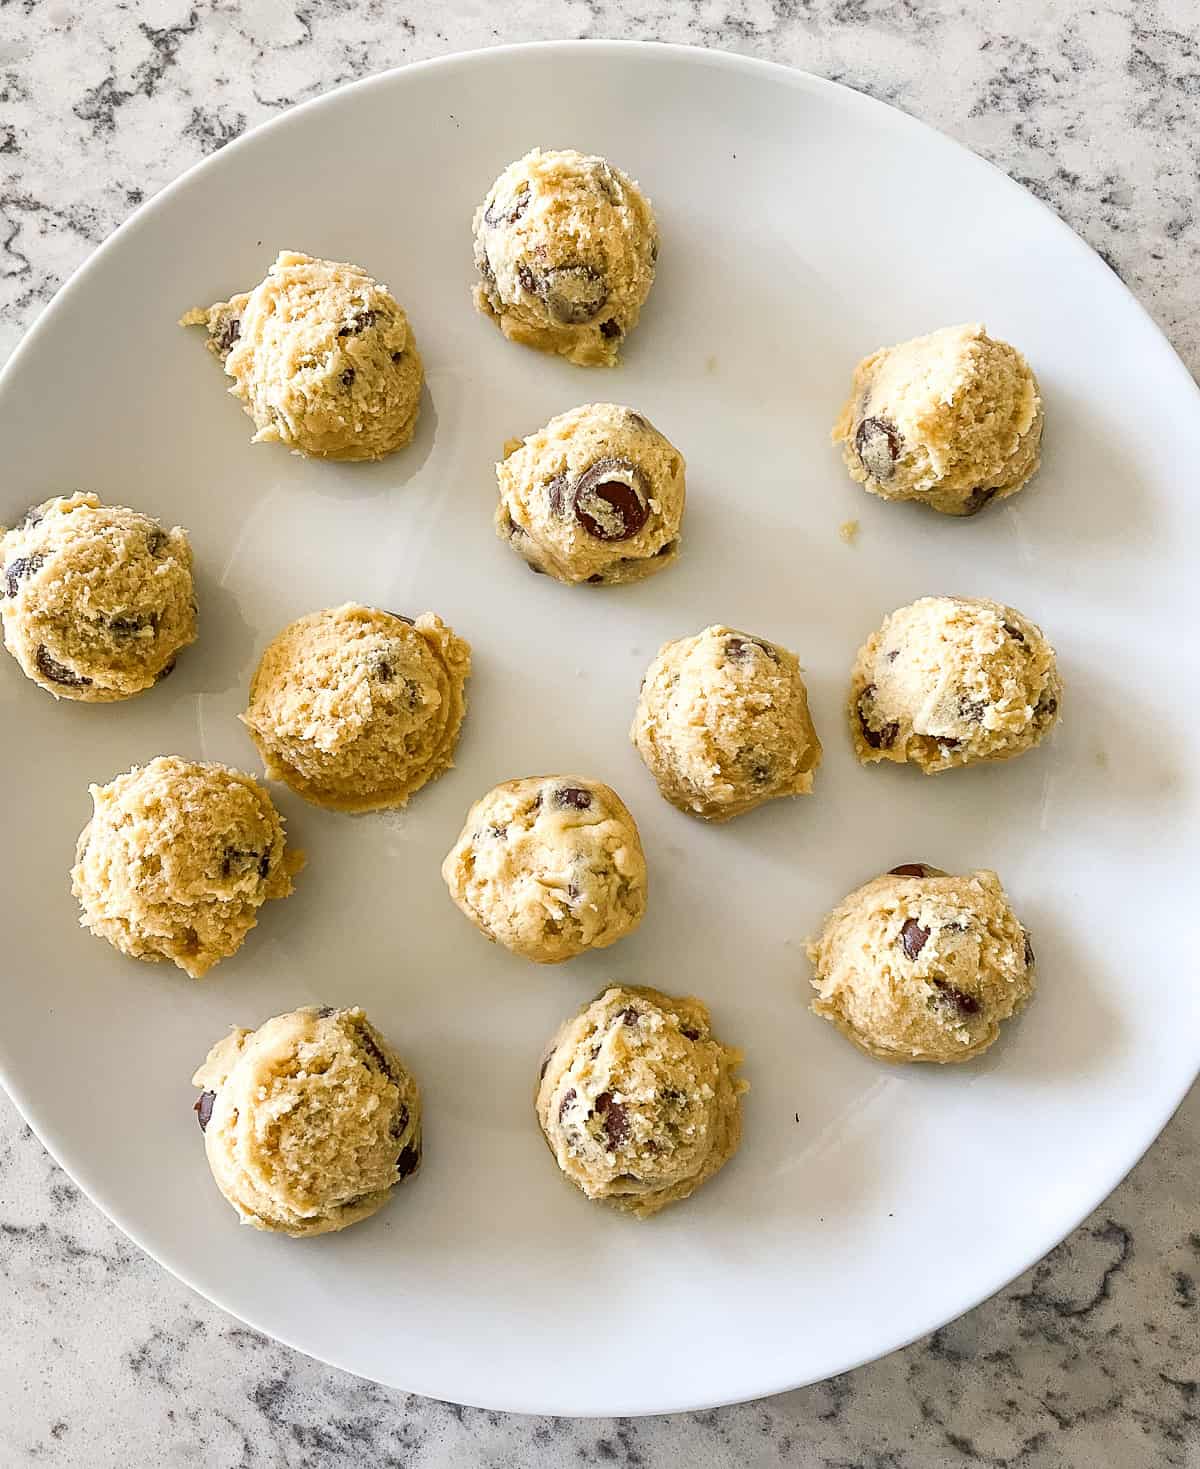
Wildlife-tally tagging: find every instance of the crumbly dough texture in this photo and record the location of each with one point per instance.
(918, 965)
(638, 1101)
(97, 600)
(309, 1121)
(549, 867)
(322, 358)
(565, 247)
(595, 496)
(723, 724)
(177, 859)
(950, 681)
(355, 708)
(952, 420)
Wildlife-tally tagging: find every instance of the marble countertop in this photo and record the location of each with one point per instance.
(1093, 1357)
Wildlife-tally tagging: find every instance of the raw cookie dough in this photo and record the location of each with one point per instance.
(565, 246)
(951, 681)
(309, 1121)
(953, 420)
(355, 708)
(723, 724)
(322, 358)
(596, 496)
(177, 859)
(549, 866)
(97, 600)
(638, 1101)
(921, 966)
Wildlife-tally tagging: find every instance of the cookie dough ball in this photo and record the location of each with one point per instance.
(97, 600)
(596, 496)
(565, 246)
(322, 358)
(723, 724)
(951, 681)
(952, 420)
(177, 859)
(549, 867)
(356, 708)
(639, 1102)
(309, 1121)
(921, 966)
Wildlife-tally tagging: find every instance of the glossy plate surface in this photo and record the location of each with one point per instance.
(803, 226)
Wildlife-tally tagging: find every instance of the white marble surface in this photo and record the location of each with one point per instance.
(1091, 1359)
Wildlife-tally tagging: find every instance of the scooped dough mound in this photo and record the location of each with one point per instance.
(322, 358)
(177, 859)
(950, 681)
(918, 965)
(952, 420)
(565, 246)
(596, 496)
(97, 600)
(355, 708)
(639, 1102)
(723, 724)
(309, 1121)
(549, 867)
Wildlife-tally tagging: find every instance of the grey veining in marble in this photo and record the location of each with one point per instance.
(1092, 1358)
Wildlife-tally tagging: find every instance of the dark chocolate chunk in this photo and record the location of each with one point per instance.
(616, 1123)
(573, 294)
(508, 212)
(979, 498)
(629, 1015)
(595, 580)
(400, 617)
(409, 1160)
(526, 278)
(399, 1121)
(913, 938)
(202, 1107)
(53, 670)
(264, 865)
(878, 739)
(156, 541)
(610, 329)
(1014, 632)
(690, 1032)
(348, 377)
(567, 1098)
(165, 671)
(611, 500)
(573, 796)
(358, 323)
(965, 1004)
(128, 625)
(227, 332)
(878, 444)
(19, 568)
(909, 869)
(1029, 954)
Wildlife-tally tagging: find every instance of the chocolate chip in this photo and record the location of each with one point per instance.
(739, 649)
(409, 1160)
(348, 377)
(264, 865)
(595, 580)
(156, 541)
(971, 710)
(979, 498)
(610, 329)
(19, 568)
(53, 670)
(1029, 954)
(202, 1107)
(229, 329)
(878, 739)
(325, 1012)
(691, 1033)
(567, 1098)
(574, 797)
(629, 1015)
(667, 549)
(909, 869)
(399, 1121)
(611, 501)
(382, 669)
(912, 938)
(240, 859)
(556, 490)
(1014, 632)
(965, 1004)
(527, 279)
(573, 293)
(878, 446)
(367, 1041)
(397, 356)
(616, 1123)
(1046, 708)
(513, 529)
(542, 1068)
(165, 671)
(654, 251)
(129, 625)
(400, 617)
(357, 324)
(509, 213)
(760, 774)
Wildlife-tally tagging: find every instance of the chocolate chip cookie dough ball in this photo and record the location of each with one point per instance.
(639, 1102)
(596, 496)
(922, 966)
(309, 1121)
(952, 420)
(97, 600)
(177, 859)
(322, 358)
(356, 709)
(549, 867)
(723, 724)
(952, 681)
(565, 246)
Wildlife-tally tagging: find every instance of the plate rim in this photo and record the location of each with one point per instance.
(792, 76)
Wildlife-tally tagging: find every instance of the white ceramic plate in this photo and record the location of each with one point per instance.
(803, 225)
